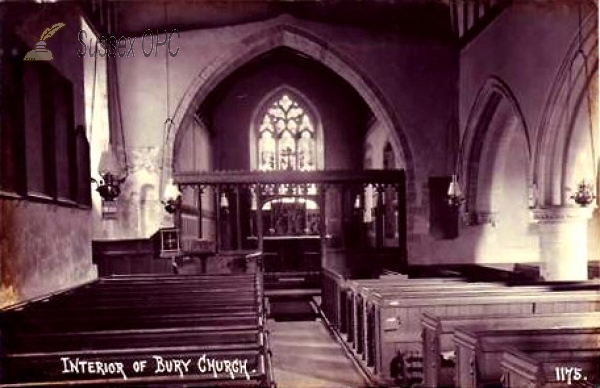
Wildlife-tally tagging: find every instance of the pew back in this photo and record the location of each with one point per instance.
(438, 335)
(524, 369)
(479, 351)
(173, 323)
(397, 319)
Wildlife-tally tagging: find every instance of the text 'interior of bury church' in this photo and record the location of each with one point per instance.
(299, 193)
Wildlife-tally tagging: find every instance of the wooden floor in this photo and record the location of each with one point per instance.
(305, 355)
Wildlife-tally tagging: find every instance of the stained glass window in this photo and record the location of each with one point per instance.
(286, 137)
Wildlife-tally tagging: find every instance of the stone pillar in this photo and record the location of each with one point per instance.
(563, 242)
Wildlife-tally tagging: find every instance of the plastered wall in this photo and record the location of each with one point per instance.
(45, 247)
(523, 49)
(414, 80)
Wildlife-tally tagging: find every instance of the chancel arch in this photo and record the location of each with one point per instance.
(281, 32)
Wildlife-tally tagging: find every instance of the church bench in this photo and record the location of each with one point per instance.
(533, 370)
(180, 297)
(395, 320)
(148, 309)
(360, 292)
(178, 281)
(333, 302)
(163, 318)
(336, 294)
(146, 321)
(359, 322)
(366, 295)
(81, 340)
(171, 277)
(357, 290)
(230, 281)
(179, 303)
(158, 289)
(438, 334)
(479, 351)
(415, 295)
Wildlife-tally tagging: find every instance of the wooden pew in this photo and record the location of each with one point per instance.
(332, 298)
(67, 341)
(118, 327)
(189, 303)
(360, 325)
(479, 351)
(336, 295)
(166, 288)
(147, 321)
(362, 291)
(523, 369)
(438, 334)
(397, 326)
(363, 328)
(359, 294)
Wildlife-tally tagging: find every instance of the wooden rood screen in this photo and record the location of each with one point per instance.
(247, 208)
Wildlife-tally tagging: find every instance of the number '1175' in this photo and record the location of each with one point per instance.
(568, 374)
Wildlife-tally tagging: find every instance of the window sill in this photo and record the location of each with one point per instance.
(9, 195)
(45, 199)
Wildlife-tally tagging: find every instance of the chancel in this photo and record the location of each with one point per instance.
(299, 194)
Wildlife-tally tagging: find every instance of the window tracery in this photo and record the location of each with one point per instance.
(287, 137)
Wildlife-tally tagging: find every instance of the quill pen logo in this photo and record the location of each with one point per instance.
(41, 53)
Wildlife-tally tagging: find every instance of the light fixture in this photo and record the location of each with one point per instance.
(171, 197)
(584, 195)
(253, 201)
(357, 202)
(224, 203)
(112, 176)
(368, 206)
(455, 197)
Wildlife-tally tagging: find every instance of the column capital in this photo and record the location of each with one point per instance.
(562, 214)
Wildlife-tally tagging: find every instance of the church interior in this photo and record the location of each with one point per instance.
(230, 193)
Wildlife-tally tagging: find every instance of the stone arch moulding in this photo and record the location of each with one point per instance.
(374, 125)
(560, 111)
(495, 104)
(281, 32)
(307, 103)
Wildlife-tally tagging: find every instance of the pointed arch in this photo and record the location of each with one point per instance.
(281, 32)
(496, 115)
(558, 126)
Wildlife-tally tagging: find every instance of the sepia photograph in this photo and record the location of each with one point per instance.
(299, 193)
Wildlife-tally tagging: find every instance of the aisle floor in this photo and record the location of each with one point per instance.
(305, 355)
